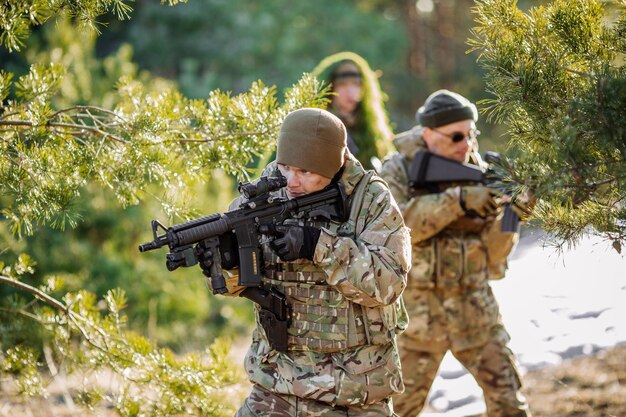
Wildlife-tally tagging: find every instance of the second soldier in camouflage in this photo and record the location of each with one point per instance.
(458, 246)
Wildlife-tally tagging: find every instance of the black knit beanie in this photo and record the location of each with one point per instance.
(444, 107)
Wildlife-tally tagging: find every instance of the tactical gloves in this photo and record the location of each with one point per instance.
(295, 242)
(229, 285)
(479, 200)
(523, 204)
(205, 260)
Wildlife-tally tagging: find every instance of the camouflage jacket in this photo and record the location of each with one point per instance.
(448, 297)
(346, 307)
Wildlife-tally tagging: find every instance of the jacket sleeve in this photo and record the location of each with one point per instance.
(426, 215)
(371, 269)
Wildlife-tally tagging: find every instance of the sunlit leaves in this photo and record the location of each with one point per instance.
(559, 82)
(154, 135)
(91, 344)
(22, 363)
(18, 17)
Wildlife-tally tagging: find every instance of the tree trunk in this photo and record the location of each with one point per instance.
(444, 28)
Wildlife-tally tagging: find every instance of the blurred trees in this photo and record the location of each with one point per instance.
(211, 44)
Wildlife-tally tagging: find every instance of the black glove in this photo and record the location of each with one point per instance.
(205, 259)
(294, 242)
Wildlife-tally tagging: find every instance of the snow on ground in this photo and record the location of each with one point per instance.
(555, 306)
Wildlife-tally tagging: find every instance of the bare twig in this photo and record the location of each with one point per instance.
(4, 116)
(87, 109)
(582, 74)
(34, 291)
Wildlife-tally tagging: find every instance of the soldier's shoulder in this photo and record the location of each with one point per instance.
(410, 141)
(393, 165)
(377, 185)
(395, 158)
(269, 169)
(380, 192)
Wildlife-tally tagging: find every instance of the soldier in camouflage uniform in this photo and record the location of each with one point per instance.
(458, 246)
(342, 283)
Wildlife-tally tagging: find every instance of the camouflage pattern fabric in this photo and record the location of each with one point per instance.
(492, 365)
(263, 403)
(346, 309)
(448, 297)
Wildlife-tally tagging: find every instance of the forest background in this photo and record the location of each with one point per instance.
(198, 48)
(227, 45)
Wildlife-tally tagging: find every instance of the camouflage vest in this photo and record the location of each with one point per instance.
(322, 319)
(456, 256)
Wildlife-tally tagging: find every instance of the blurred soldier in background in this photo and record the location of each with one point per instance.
(356, 98)
(342, 283)
(458, 246)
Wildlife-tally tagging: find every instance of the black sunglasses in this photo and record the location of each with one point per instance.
(458, 136)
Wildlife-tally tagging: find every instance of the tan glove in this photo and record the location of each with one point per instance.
(523, 204)
(479, 199)
(232, 284)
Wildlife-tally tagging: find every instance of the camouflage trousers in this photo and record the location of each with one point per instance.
(492, 365)
(263, 403)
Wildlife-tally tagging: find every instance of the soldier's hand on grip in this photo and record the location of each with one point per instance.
(523, 204)
(295, 242)
(479, 199)
(205, 259)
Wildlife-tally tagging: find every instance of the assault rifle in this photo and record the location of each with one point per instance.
(234, 240)
(428, 170)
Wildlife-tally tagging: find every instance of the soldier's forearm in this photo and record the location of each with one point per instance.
(359, 273)
(429, 214)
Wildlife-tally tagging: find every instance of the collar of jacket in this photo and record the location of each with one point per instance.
(409, 142)
(353, 171)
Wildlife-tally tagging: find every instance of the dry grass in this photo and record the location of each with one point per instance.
(591, 386)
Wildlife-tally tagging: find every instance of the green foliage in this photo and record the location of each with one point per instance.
(18, 17)
(559, 80)
(22, 362)
(100, 251)
(152, 136)
(91, 341)
(87, 78)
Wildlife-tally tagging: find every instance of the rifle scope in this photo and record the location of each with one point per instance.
(262, 186)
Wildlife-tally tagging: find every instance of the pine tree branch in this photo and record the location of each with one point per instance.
(58, 305)
(582, 74)
(4, 116)
(80, 128)
(87, 109)
(34, 291)
(215, 137)
(23, 313)
(73, 317)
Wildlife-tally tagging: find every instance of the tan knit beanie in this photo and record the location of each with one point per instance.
(313, 140)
